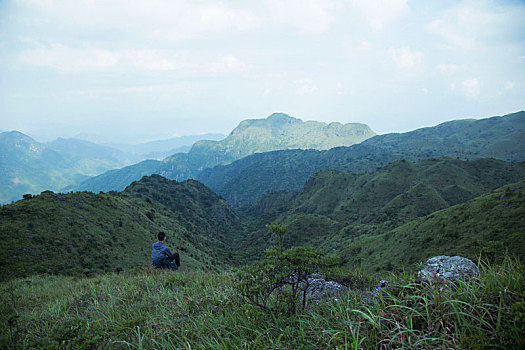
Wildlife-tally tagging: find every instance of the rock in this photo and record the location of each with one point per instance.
(319, 288)
(377, 291)
(448, 269)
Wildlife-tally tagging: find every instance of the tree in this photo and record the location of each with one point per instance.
(280, 282)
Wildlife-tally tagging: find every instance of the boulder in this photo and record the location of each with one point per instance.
(319, 288)
(447, 269)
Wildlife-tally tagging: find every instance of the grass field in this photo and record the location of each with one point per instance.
(149, 309)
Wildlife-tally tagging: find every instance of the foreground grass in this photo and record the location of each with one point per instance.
(197, 310)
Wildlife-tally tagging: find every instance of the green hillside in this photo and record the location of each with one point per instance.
(488, 225)
(496, 137)
(277, 132)
(338, 206)
(402, 189)
(85, 233)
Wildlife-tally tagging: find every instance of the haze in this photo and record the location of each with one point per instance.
(134, 71)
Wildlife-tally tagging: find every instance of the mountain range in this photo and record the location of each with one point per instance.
(277, 132)
(28, 166)
(382, 204)
(245, 181)
(342, 212)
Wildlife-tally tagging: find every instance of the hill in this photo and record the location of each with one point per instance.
(86, 233)
(245, 181)
(28, 166)
(339, 206)
(488, 225)
(277, 132)
(402, 189)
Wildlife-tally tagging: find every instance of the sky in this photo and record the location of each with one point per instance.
(134, 71)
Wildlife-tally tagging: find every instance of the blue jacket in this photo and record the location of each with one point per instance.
(159, 252)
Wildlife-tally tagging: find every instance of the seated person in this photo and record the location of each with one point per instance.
(162, 257)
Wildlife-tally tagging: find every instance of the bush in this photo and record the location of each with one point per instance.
(280, 282)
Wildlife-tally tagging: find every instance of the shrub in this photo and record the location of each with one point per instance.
(280, 282)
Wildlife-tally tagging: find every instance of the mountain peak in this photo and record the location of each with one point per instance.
(282, 118)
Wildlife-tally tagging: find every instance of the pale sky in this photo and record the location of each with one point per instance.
(139, 70)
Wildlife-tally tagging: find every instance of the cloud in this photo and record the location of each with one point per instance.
(379, 13)
(152, 19)
(65, 59)
(474, 24)
(305, 87)
(305, 16)
(450, 68)
(471, 87)
(509, 85)
(406, 58)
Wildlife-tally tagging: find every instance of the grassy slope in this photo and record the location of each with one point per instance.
(196, 310)
(338, 209)
(487, 225)
(402, 189)
(84, 232)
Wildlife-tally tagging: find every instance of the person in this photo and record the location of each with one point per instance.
(162, 257)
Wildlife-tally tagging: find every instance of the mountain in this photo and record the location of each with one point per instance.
(85, 233)
(28, 166)
(92, 159)
(278, 131)
(336, 209)
(374, 220)
(112, 179)
(488, 225)
(161, 149)
(244, 181)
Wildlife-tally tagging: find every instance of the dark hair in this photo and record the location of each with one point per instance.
(161, 236)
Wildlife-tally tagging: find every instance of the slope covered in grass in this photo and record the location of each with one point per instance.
(84, 233)
(402, 189)
(485, 226)
(197, 310)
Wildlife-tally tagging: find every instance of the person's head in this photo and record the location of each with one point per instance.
(161, 236)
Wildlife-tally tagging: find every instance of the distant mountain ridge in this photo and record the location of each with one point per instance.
(278, 131)
(161, 149)
(245, 181)
(29, 166)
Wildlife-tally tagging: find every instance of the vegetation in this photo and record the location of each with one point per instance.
(144, 309)
(277, 132)
(74, 268)
(84, 233)
(245, 181)
(487, 225)
(280, 282)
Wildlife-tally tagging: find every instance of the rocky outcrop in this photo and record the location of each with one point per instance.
(447, 269)
(321, 289)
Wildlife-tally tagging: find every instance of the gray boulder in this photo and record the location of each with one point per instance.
(447, 269)
(320, 289)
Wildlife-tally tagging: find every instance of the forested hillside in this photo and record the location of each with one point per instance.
(86, 233)
(246, 180)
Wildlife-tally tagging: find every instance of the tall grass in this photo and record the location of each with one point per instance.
(197, 310)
